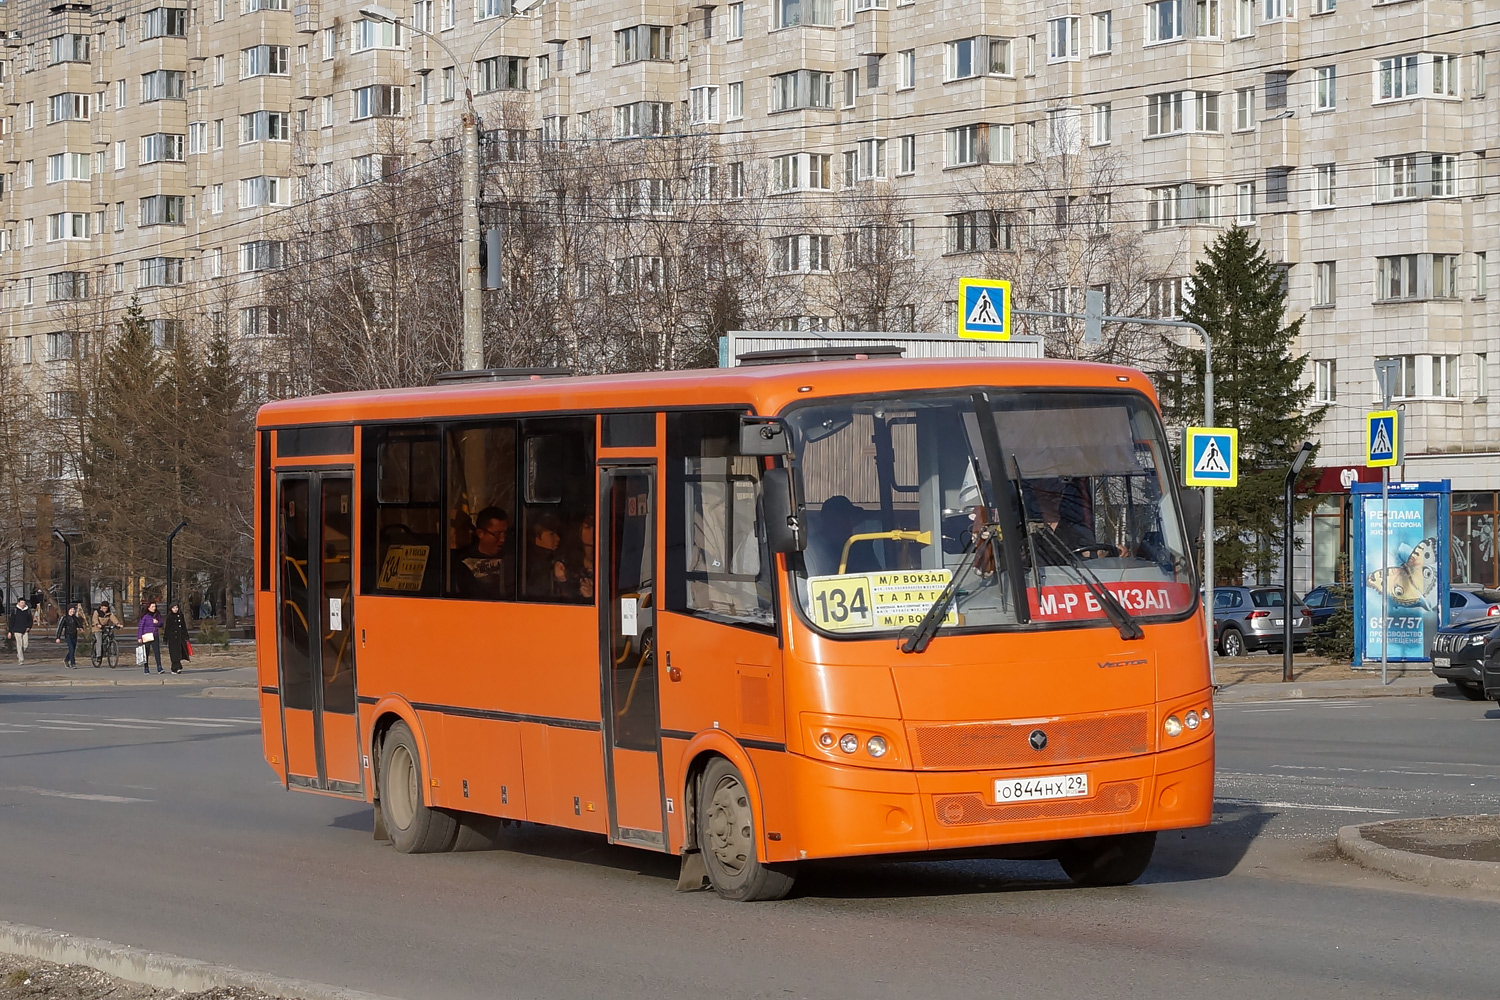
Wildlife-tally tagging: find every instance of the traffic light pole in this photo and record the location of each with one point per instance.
(473, 318)
(1093, 320)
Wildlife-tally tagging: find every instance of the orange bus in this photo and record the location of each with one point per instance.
(748, 616)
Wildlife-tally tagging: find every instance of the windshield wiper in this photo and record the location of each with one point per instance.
(920, 635)
(1122, 620)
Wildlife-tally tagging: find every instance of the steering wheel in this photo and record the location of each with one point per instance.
(1096, 551)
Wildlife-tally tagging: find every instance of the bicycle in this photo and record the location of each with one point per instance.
(108, 650)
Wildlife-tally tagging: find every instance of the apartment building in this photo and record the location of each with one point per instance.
(147, 147)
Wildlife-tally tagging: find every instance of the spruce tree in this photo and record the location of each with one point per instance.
(1239, 297)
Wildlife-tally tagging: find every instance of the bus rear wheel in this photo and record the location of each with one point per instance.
(1101, 861)
(413, 827)
(727, 838)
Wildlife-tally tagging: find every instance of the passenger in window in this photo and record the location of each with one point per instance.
(837, 519)
(482, 569)
(578, 560)
(546, 574)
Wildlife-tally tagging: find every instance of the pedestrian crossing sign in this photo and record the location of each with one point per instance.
(1211, 457)
(983, 309)
(1382, 439)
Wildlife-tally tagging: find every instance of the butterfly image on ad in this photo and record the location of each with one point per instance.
(1414, 582)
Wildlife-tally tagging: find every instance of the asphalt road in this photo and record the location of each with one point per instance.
(147, 817)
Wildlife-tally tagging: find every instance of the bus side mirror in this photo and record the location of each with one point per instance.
(1192, 514)
(764, 436)
(784, 527)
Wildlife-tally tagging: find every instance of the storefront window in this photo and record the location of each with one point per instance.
(1472, 555)
(1330, 547)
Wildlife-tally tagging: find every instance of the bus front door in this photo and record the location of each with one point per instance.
(315, 630)
(628, 641)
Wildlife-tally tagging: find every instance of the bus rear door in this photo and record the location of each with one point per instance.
(315, 630)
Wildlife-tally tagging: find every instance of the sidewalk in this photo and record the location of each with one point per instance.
(232, 667)
(1258, 678)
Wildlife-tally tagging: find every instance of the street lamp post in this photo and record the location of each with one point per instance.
(473, 315)
(1303, 454)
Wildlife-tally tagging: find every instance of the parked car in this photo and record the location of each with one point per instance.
(1469, 603)
(1323, 602)
(1459, 654)
(1248, 618)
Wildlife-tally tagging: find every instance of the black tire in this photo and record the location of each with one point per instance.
(727, 838)
(1470, 690)
(413, 827)
(476, 832)
(1231, 643)
(1101, 861)
(112, 654)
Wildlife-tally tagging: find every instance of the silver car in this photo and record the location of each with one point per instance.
(1250, 618)
(1467, 603)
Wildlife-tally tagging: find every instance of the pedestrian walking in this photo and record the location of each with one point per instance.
(68, 627)
(148, 636)
(176, 632)
(19, 628)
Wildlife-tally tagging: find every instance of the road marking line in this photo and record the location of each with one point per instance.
(82, 797)
(112, 725)
(199, 718)
(169, 722)
(67, 729)
(1382, 770)
(1305, 805)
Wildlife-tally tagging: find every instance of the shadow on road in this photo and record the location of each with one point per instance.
(21, 699)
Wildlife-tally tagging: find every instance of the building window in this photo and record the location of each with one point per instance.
(1324, 6)
(257, 191)
(643, 118)
(1397, 278)
(871, 159)
(1325, 289)
(69, 167)
(1164, 298)
(161, 146)
(963, 145)
(802, 88)
(1062, 39)
(263, 60)
(1277, 10)
(1244, 18)
(1325, 182)
(977, 56)
(977, 231)
(642, 273)
(375, 35)
(802, 172)
(906, 69)
(1244, 203)
(67, 226)
(1445, 75)
(1325, 88)
(1481, 375)
(703, 105)
(1481, 274)
(1102, 122)
(1396, 177)
(69, 108)
(1104, 33)
(69, 48)
(164, 21)
(1207, 19)
(790, 13)
(851, 87)
(163, 210)
(67, 285)
(1277, 183)
(1396, 78)
(801, 253)
(1445, 276)
(163, 85)
(736, 108)
(262, 255)
(499, 73)
(644, 41)
(1325, 381)
(1444, 175)
(1445, 376)
(1164, 21)
(907, 146)
(1244, 109)
(736, 21)
(1276, 90)
(266, 126)
(158, 271)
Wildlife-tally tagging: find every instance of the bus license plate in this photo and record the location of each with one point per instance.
(1441, 661)
(1054, 786)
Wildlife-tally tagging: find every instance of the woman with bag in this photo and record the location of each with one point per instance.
(176, 632)
(148, 638)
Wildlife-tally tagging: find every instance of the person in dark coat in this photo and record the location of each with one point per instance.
(19, 628)
(176, 631)
(68, 628)
(148, 634)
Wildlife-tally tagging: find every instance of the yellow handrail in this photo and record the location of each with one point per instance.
(899, 535)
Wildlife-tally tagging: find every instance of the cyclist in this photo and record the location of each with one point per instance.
(101, 620)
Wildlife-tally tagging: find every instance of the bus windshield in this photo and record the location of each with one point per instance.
(898, 489)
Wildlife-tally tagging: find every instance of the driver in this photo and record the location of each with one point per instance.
(1059, 505)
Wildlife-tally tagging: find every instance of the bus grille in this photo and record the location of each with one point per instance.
(983, 745)
(971, 808)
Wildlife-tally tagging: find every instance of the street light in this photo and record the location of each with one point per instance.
(1286, 557)
(473, 325)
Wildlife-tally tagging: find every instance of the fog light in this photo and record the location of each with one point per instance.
(826, 741)
(849, 743)
(876, 746)
(1173, 726)
(1191, 719)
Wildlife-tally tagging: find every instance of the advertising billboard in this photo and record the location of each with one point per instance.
(1400, 569)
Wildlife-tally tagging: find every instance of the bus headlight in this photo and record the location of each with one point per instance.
(826, 741)
(876, 746)
(1191, 719)
(1173, 726)
(849, 743)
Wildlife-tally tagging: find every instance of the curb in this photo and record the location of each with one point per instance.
(1280, 691)
(1419, 868)
(158, 969)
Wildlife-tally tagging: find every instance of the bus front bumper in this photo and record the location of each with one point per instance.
(845, 811)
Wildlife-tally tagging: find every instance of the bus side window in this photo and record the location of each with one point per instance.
(482, 531)
(717, 564)
(557, 503)
(403, 523)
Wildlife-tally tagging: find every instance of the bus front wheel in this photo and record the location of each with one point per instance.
(1100, 861)
(727, 838)
(413, 827)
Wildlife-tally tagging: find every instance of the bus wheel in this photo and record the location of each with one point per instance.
(726, 836)
(412, 826)
(1117, 860)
